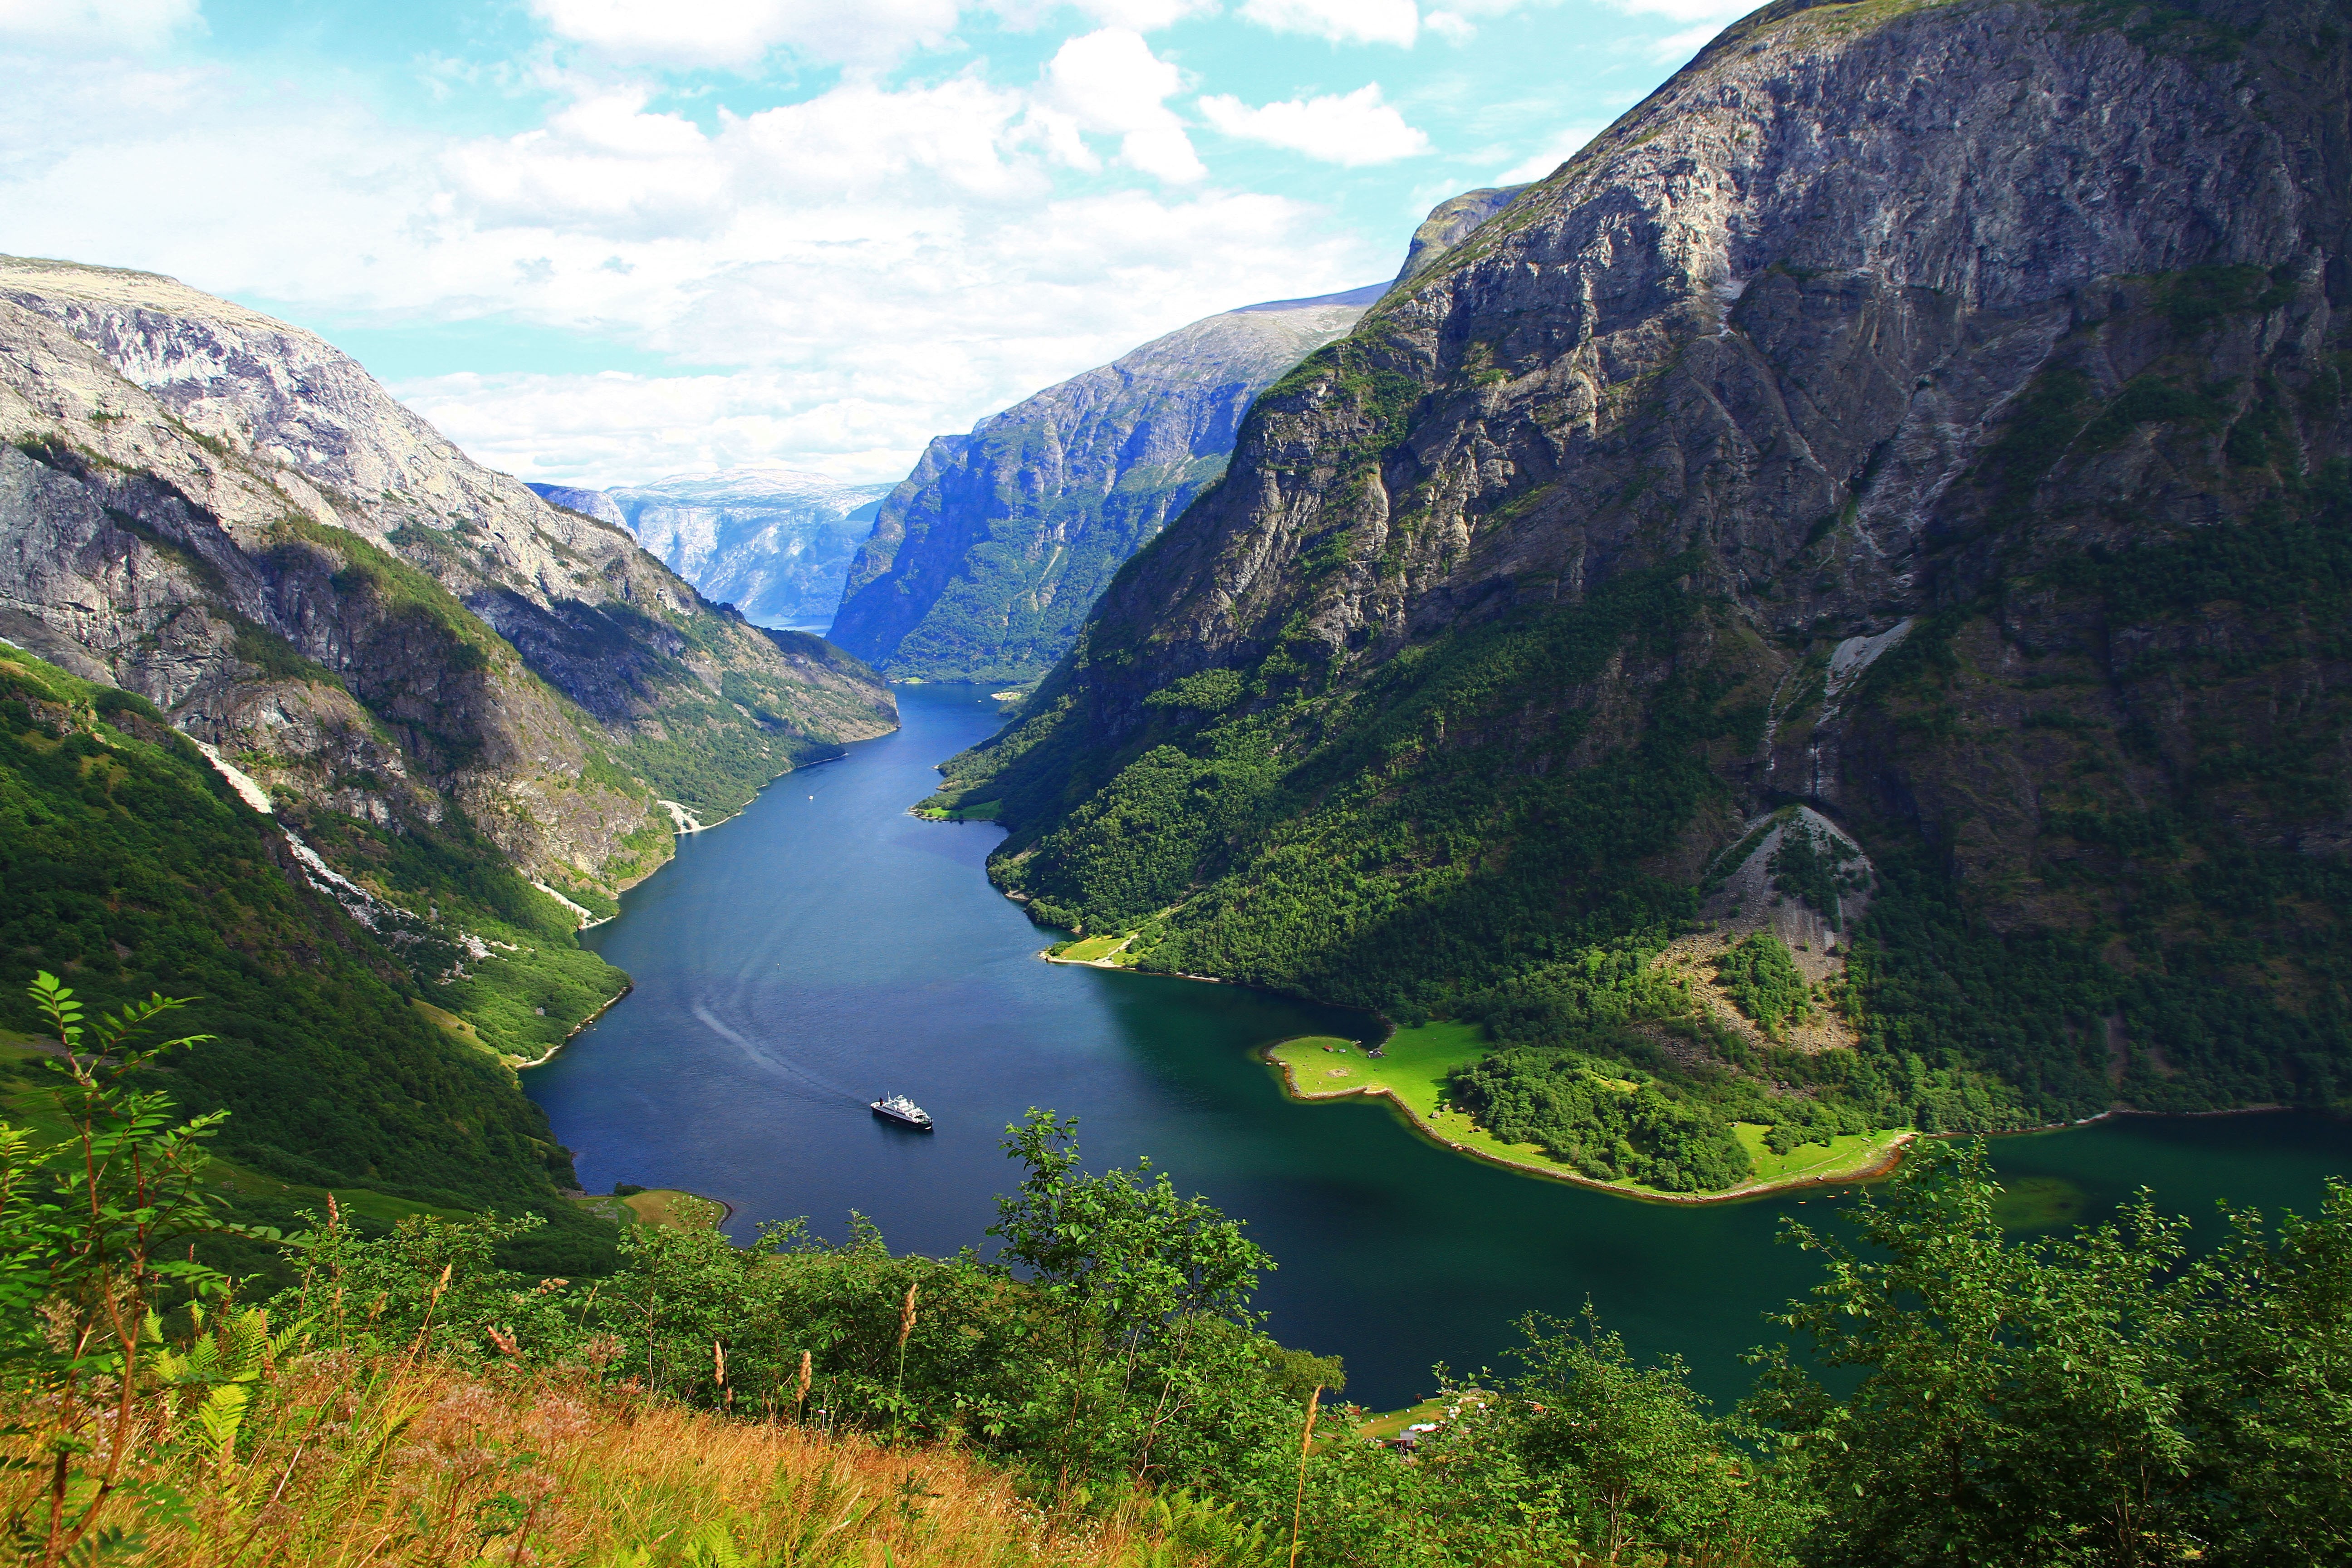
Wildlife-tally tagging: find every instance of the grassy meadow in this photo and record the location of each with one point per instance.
(1097, 949)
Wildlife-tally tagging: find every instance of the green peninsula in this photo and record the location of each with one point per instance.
(1414, 1071)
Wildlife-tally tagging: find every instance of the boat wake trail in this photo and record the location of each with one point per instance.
(766, 1057)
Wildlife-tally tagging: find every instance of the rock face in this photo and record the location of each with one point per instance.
(773, 543)
(1449, 223)
(226, 516)
(1931, 414)
(982, 563)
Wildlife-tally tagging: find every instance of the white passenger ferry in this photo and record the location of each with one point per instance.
(899, 1109)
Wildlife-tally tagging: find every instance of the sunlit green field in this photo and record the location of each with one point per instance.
(1849, 1154)
(1093, 949)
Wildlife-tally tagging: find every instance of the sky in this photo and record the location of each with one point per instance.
(604, 241)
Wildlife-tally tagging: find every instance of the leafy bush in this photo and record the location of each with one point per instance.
(2103, 1398)
(1608, 1132)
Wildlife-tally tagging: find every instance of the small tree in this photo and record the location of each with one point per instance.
(1135, 1277)
(1630, 1453)
(97, 1229)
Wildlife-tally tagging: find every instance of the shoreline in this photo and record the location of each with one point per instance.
(2111, 1113)
(541, 1061)
(1874, 1171)
(1050, 956)
(680, 830)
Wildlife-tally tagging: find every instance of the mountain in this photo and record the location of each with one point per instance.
(774, 542)
(984, 563)
(226, 515)
(133, 866)
(1449, 223)
(464, 709)
(1930, 415)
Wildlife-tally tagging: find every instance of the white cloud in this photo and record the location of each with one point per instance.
(1717, 11)
(617, 429)
(1342, 21)
(95, 24)
(1110, 82)
(1143, 15)
(737, 35)
(840, 279)
(1354, 129)
(601, 164)
(1557, 148)
(945, 141)
(1683, 44)
(867, 346)
(1705, 18)
(1456, 23)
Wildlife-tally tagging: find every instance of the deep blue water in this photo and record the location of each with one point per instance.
(825, 947)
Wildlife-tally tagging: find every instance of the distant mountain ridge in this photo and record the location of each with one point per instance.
(774, 542)
(587, 503)
(984, 563)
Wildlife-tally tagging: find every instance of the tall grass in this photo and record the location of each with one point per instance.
(339, 1463)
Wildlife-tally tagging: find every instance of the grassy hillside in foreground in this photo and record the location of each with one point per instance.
(494, 1468)
(131, 867)
(1098, 1393)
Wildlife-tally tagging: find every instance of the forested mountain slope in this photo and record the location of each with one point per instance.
(985, 560)
(1934, 414)
(131, 867)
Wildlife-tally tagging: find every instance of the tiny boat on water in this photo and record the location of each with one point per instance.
(906, 1112)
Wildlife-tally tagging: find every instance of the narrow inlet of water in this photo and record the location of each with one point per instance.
(825, 948)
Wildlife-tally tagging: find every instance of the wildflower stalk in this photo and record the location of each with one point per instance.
(1306, 1443)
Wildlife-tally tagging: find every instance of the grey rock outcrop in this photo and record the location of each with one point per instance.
(984, 563)
(228, 516)
(1783, 314)
(1450, 222)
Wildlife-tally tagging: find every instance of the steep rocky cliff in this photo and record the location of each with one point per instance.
(229, 517)
(449, 689)
(984, 563)
(774, 542)
(1932, 414)
(1449, 223)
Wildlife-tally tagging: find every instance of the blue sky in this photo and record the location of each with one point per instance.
(600, 241)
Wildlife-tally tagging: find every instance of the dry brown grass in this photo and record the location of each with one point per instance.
(342, 1464)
